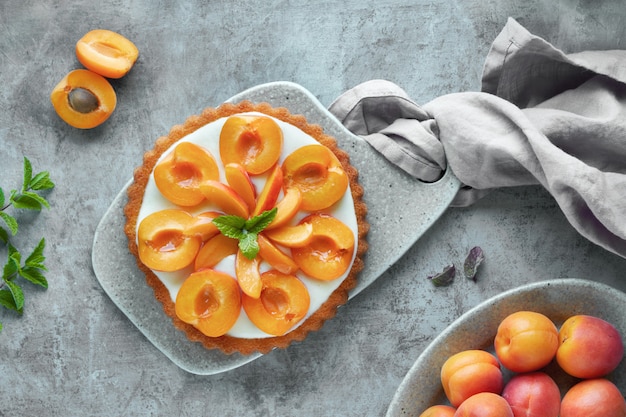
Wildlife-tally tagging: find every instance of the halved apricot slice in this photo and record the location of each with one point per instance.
(286, 208)
(203, 225)
(224, 197)
(317, 172)
(283, 302)
(270, 192)
(179, 175)
(237, 177)
(210, 301)
(248, 275)
(275, 257)
(163, 243)
(214, 250)
(83, 99)
(291, 236)
(106, 53)
(255, 142)
(330, 251)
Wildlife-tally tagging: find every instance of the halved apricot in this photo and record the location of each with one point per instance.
(317, 172)
(275, 257)
(248, 275)
(163, 242)
(283, 302)
(203, 225)
(214, 250)
(286, 208)
(237, 177)
(179, 175)
(329, 253)
(255, 142)
(210, 301)
(291, 236)
(106, 53)
(270, 192)
(83, 99)
(224, 197)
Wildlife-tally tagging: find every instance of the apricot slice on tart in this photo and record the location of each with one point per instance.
(163, 242)
(210, 301)
(179, 175)
(286, 208)
(248, 275)
(106, 53)
(253, 141)
(83, 99)
(275, 257)
(203, 225)
(270, 192)
(283, 302)
(329, 253)
(224, 197)
(291, 236)
(214, 250)
(239, 179)
(317, 172)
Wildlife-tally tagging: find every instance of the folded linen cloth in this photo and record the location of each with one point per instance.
(542, 117)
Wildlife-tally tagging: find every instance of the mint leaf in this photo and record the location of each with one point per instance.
(4, 235)
(6, 300)
(230, 225)
(28, 174)
(257, 223)
(34, 276)
(42, 201)
(10, 221)
(25, 201)
(41, 181)
(249, 245)
(36, 258)
(17, 294)
(1, 199)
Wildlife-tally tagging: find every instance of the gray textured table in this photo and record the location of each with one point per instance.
(74, 353)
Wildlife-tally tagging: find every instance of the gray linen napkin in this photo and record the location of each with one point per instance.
(542, 117)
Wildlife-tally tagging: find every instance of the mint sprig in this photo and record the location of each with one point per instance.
(245, 230)
(31, 268)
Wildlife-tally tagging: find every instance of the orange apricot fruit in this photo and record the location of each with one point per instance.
(271, 254)
(225, 198)
(179, 174)
(83, 99)
(291, 236)
(596, 397)
(106, 53)
(270, 192)
(317, 172)
(283, 302)
(248, 275)
(484, 404)
(214, 250)
(163, 243)
(439, 410)
(210, 301)
(253, 141)
(239, 179)
(286, 208)
(329, 252)
(203, 225)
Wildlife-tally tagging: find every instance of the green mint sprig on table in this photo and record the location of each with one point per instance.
(246, 231)
(32, 267)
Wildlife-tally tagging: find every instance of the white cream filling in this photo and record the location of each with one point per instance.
(208, 137)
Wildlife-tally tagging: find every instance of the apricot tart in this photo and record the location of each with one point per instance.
(249, 225)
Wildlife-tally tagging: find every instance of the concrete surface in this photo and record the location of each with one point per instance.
(73, 353)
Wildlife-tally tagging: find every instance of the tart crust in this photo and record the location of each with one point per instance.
(229, 344)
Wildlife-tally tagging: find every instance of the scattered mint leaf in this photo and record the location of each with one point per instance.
(4, 235)
(28, 174)
(41, 182)
(246, 231)
(472, 262)
(10, 222)
(17, 294)
(2, 199)
(6, 300)
(445, 277)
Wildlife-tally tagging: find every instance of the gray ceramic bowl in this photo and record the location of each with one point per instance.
(557, 299)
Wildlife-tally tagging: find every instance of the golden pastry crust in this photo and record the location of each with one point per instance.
(229, 344)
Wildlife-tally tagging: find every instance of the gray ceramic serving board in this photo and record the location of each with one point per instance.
(400, 210)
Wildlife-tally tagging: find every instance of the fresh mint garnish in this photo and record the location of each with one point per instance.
(31, 268)
(245, 230)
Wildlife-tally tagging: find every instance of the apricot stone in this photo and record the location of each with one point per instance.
(329, 253)
(179, 175)
(283, 302)
(210, 301)
(318, 174)
(253, 141)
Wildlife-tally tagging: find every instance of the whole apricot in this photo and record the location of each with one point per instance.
(83, 99)
(593, 398)
(533, 394)
(526, 341)
(469, 372)
(484, 404)
(591, 338)
(439, 411)
(106, 53)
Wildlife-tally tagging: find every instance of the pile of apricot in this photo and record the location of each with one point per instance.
(84, 98)
(585, 347)
(302, 237)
